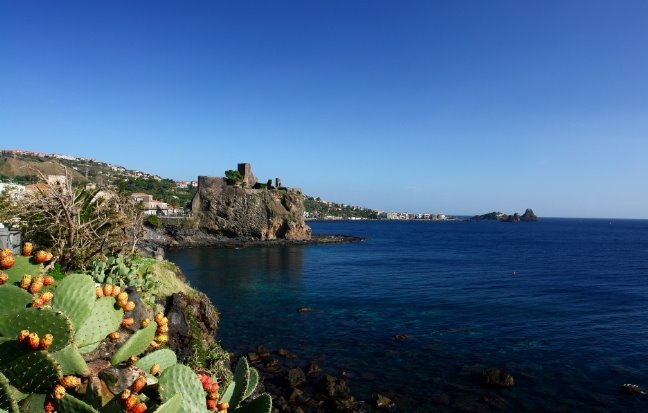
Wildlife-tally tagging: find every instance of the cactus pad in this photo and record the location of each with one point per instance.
(75, 296)
(7, 400)
(22, 266)
(13, 297)
(40, 321)
(171, 406)
(180, 379)
(165, 358)
(252, 382)
(35, 372)
(242, 380)
(70, 404)
(103, 320)
(136, 344)
(262, 404)
(33, 403)
(71, 361)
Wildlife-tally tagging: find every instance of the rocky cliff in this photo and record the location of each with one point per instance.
(235, 212)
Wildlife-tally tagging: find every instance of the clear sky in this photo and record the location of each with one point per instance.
(458, 107)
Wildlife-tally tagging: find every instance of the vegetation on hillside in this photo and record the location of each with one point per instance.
(317, 208)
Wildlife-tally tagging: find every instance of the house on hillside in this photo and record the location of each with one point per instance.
(151, 206)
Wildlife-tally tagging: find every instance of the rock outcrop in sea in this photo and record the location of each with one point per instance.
(528, 216)
(249, 211)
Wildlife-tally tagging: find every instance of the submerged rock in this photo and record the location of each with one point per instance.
(494, 377)
(381, 401)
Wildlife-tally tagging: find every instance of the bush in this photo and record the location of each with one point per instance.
(154, 221)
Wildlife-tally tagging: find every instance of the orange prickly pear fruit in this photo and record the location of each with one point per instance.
(129, 402)
(114, 336)
(7, 252)
(211, 404)
(47, 296)
(59, 392)
(116, 291)
(138, 384)
(125, 394)
(48, 280)
(222, 406)
(127, 322)
(27, 249)
(23, 336)
(48, 256)
(130, 306)
(99, 292)
(38, 303)
(154, 344)
(7, 262)
(162, 338)
(107, 290)
(155, 369)
(26, 280)
(33, 341)
(163, 329)
(145, 323)
(46, 341)
(40, 256)
(132, 360)
(70, 382)
(36, 286)
(213, 387)
(213, 395)
(139, 408)
(122, 296)
(158, 318)
(3, 278)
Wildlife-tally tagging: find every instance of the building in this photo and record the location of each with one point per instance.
(151, 206)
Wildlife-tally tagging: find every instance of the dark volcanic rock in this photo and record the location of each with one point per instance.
(295, 377)
(381, 401)
(183, 311)
(260, 214)
(493, 377)
(304, 310)
(528, 216)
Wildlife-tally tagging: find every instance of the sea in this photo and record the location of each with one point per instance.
(420, 308)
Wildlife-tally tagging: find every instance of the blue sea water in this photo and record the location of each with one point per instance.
(562, 304)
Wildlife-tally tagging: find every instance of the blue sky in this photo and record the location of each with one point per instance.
(422, 106)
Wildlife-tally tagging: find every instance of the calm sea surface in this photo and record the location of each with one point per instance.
(562, 304)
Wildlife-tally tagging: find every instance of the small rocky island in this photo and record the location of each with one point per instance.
(528, 216)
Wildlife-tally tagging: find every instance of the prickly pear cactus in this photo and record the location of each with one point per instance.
(33, 403)
(7, 400)
(70, 404)
(40, 321)
(23, 265)
(13, 297)
(243, 385)
(71, 361)
(165, 358)
(262, 404)
(33, 372)
(103, 320)
(136, 344)
(180, 379)
(75, 296)
(171, 406)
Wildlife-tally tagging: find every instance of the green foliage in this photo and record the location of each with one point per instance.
(70, 404)
(153, 221)
(164, 190)
(13, 297)
(71, 361)
(7, 399)
(233, 177)
(127, 272)
(40, 321)
(207, 357)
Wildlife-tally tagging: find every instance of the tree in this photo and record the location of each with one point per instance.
(81, 225)
(234, 177)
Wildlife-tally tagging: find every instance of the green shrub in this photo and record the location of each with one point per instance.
(154, 221)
